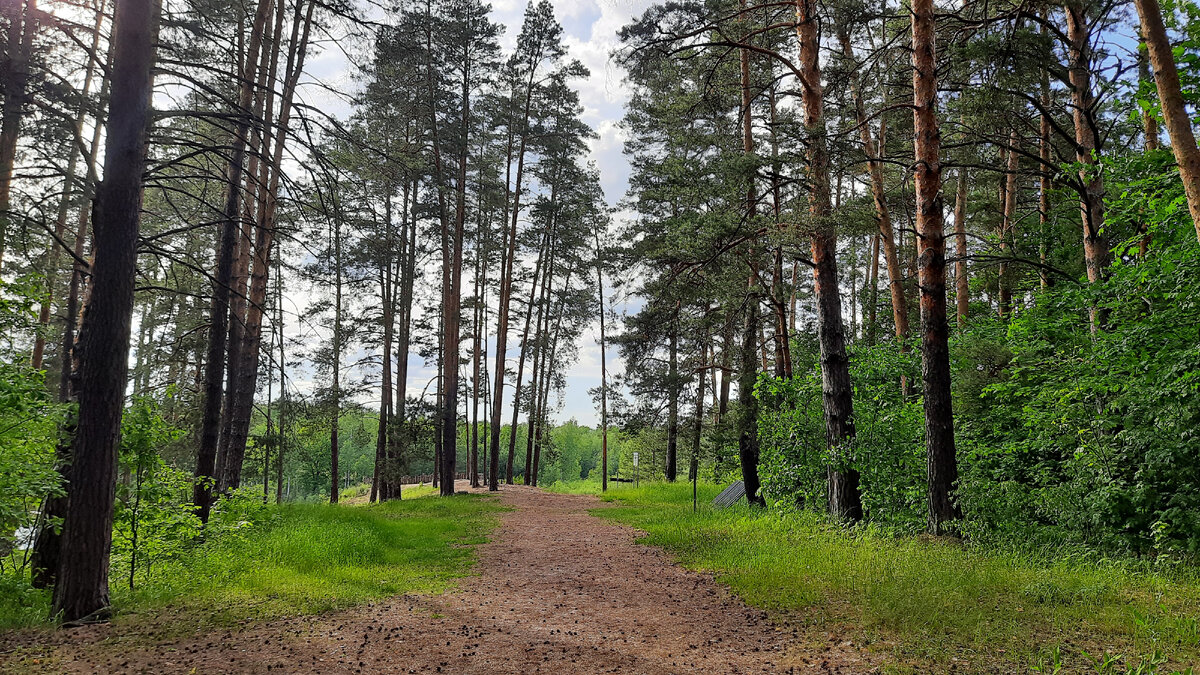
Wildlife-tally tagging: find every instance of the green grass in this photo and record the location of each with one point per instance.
(305, 559)
(921, 603)
(315, 558)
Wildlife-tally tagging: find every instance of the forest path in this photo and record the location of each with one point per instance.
(558, 591)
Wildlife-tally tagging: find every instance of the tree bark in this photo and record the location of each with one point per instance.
(389, 322)
(22, 26)
(1006, 224)
(47, 546)
(539, 358)
(404, 339)
(64, 204)
(962, 280)
(747, 402)
(336, 414)
(268, 181)
(1044, 184)
(603, 372)
(1087, 148)
(673, 403)
(935, 370)
(1149, 122)
(506, 287)
(1175, 115)
(82, 587)
(525, 345)
(837, 393)
(210, 425)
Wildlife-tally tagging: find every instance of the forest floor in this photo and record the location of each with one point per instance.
(556, 590)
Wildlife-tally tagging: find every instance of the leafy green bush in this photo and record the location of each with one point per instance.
(29, 420)
(887, 449)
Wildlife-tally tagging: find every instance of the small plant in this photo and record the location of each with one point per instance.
(1050, 661)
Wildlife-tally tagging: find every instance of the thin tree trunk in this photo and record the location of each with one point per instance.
(873, 289)
(385, 384)
(22, 26)
(603, 372)
(268, 197)
(698, 422)
(673, 403)
(407, 281)
(506, 293)
(210, 426)
(539, 358)
(336, 415)
(1044, 184)
(477, 339)
(1006, 224)
(783, 349)
(229, 468)
(82, 585)
(282, 387)
(843, 479)
(962, 281)
(939, 419)
(548, 362)
(878, 192)
(64, 204)
(1087, 148)
(1149, 122)
(727, 351)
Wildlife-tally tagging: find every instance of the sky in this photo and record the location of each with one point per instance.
(590, 28)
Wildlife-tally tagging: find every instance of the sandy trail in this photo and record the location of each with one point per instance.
(558, 591)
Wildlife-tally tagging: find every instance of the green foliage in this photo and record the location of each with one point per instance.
(29, 420)
(153, 519)
(1090, 438)
(887, 449)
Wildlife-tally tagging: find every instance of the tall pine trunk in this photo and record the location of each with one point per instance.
(837, 393)
(47, 546)
(1087, 147)
(935, 367)
(214, 372)
(603, 371)
(1007, 223)
(962, 282)
(747, 403)
(1175, 114)
(268, 182)
(506, 282)
(82, 586)
(673, 403)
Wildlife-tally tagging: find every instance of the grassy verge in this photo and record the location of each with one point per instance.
(306, 559)
(926, 605)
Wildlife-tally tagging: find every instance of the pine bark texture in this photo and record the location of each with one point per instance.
(82, 586)
(837, 393)
(1175, 115)
(935, 363)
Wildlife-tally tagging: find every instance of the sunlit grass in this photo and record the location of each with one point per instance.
(303, 559)
(313, 558)
(920, 602)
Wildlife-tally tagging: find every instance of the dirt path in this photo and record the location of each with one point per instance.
(558, 591)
